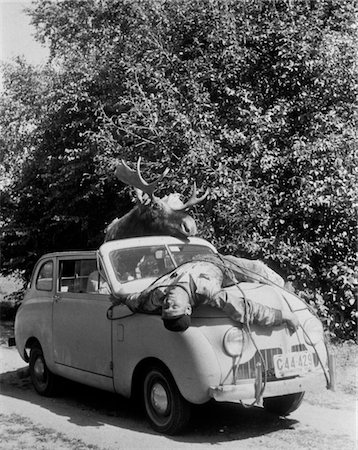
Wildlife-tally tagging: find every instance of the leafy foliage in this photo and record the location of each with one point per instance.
(256, 100)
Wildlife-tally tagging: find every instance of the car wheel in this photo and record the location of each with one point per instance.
(166, 409)
(284, 404)
(42, 379)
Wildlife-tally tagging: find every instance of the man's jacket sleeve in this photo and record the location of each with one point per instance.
(148, 301)
(246, 311)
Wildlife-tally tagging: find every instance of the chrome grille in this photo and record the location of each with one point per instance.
(298, 348)
(248, 369)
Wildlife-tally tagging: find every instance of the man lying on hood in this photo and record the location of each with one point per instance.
(203, 282)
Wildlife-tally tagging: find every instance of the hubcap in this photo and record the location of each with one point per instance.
(159, 398)
(39, 369)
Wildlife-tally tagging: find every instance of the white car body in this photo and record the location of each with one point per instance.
(83, 337)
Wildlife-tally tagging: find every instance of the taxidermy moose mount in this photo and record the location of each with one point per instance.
(152, 215)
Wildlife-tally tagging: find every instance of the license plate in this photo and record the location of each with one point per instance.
(290, 364)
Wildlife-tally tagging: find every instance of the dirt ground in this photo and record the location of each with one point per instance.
(85, 418)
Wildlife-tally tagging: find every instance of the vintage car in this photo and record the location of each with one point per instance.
(68, 326)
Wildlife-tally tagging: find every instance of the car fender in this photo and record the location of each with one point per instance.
(188, 355)
(33, 321)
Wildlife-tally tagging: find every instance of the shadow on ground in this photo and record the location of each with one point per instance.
(86, 406)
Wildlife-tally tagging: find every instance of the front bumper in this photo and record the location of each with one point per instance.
(248, 391)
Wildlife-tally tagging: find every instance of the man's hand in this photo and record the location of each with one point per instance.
(291, 320)
(117, 300)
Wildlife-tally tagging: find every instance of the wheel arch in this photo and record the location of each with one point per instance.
(140, 372)
(43, 380)
(30, 343)
(190, 357)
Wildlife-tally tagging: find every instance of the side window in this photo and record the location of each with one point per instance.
(97, 283)
(44, 281)
(80, 276)
(67, 274)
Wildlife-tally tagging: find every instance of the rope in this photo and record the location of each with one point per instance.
(232, 277)
(229, 272)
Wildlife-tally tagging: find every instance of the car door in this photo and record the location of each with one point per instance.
(81, 328)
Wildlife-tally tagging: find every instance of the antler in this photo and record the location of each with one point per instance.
(193, 200)
(134, 178)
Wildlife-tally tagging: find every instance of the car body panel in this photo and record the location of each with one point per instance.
(82, 333)
(192, 362)
(87, 338)
(34, 317)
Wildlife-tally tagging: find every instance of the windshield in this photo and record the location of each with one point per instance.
(147, 262)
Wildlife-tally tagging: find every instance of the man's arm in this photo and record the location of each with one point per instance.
(145, 302)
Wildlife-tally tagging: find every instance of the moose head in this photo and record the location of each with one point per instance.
(153, 215)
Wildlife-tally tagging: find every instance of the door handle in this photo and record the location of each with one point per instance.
(56, 297)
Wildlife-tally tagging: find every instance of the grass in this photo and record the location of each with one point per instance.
(347, 366)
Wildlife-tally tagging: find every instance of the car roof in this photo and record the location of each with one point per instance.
(132, 242)
(70, 253)
(153, 241)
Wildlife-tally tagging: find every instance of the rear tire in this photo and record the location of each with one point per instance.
(166, 409)
(42, 379)
(284, 404)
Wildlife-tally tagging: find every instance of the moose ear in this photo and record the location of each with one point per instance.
(142, 197)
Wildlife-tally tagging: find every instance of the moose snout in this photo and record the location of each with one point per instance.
(188, 226)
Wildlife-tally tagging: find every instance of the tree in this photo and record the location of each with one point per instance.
(255, 100)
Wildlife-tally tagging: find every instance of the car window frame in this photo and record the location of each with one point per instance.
(104, 252)
(71, 294)
(41, 264)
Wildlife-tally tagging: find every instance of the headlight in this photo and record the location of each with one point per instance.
(313, 331)
(234, 341)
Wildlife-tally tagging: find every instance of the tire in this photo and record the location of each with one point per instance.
(166, 409)
(42, 379)
(283, 405)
